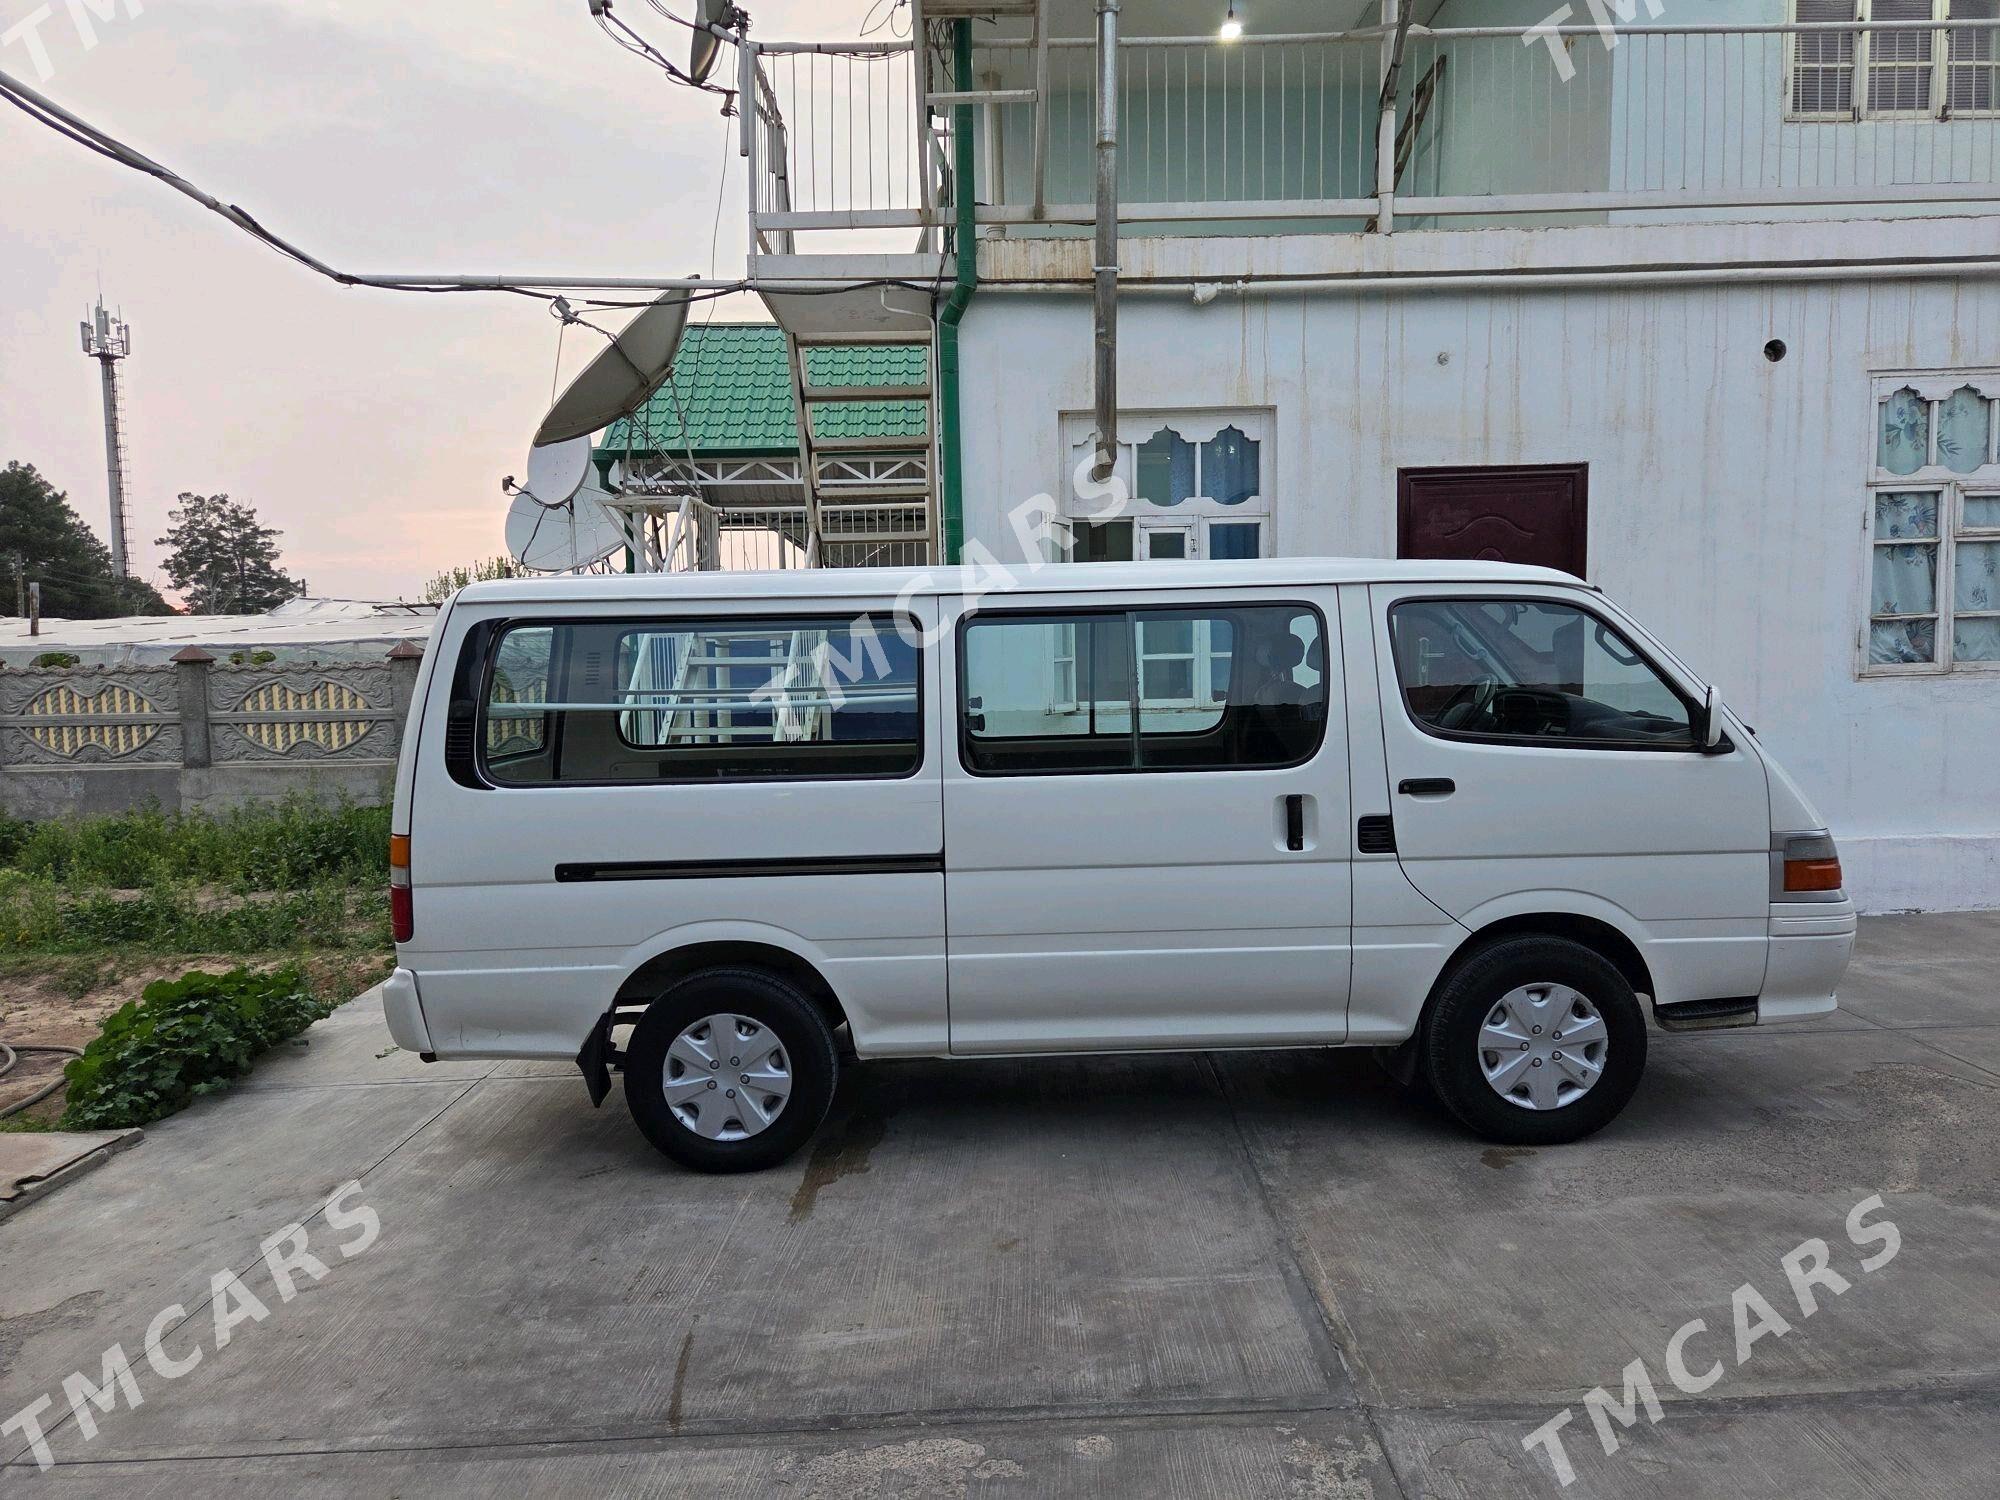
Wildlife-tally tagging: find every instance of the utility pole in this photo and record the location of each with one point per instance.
(20, 588)
(107, 340)
(34, 609)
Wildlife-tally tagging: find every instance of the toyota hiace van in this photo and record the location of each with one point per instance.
(726, 833)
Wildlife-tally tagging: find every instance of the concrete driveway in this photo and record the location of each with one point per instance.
(1176, 1276)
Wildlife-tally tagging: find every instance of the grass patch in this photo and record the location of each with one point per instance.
(45, 916)
(285, 846)
(285, 903)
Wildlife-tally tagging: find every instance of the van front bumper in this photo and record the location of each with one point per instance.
(1810, 947)
(405, 1013)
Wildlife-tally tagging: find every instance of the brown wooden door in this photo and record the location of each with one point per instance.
(1528, 513)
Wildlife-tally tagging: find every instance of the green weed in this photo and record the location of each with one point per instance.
(181, 1039)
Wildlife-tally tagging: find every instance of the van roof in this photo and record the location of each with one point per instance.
(846, 583)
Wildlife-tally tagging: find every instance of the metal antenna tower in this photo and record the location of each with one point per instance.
(107, 340)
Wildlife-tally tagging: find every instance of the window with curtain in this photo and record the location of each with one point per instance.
(1928, 71)
(1972, 60)
(1934, 525)
(1900, 63)
(1823, 61)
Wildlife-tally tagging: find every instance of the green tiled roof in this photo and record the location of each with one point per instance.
(734, 385)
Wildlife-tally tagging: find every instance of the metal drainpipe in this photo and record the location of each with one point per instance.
(1104, 253)
(964, 284)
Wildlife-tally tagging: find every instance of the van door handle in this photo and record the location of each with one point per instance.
(1427, 786)
(1295, 823)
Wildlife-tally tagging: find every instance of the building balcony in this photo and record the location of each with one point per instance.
(1284, 130)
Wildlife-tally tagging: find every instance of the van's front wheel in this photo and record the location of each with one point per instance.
(730, 1070)
(1536, 1041)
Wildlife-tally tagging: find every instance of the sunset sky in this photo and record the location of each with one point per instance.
(372, 427)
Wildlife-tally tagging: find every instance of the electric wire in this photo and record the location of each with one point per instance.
(74, 128)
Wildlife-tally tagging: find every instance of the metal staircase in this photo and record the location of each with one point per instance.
(869, 499)
(872, 500)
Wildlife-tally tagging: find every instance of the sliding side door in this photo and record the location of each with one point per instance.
(1145, 823)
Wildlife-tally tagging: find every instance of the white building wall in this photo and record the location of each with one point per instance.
(1727, 505)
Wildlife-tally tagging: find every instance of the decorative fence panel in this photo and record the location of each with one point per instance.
(90, 716)
(318, 713)
(196, 733)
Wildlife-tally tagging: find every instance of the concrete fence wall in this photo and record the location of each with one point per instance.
(197, 735)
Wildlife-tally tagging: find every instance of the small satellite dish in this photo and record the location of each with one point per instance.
(618, 381)
(557, 470)
(573, 533)
(706, 45)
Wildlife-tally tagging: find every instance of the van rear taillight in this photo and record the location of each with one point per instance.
(402, 910)
(1807, 864)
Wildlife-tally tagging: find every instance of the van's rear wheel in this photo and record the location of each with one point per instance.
(730, 1070)
(1535, 1041)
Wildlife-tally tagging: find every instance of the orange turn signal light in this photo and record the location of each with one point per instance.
(1812, 874)
(399, 851)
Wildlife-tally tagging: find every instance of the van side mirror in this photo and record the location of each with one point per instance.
(1711, 722)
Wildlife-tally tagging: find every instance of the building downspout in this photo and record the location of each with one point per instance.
(951, 491)
(1104, 254)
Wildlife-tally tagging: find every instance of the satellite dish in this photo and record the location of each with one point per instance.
(573, 533)
(706, 44)
(618, 381)
(557, 470)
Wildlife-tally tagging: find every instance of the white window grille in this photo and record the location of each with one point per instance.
(1937, 72)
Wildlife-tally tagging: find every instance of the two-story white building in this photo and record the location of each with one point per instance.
(1698, 300)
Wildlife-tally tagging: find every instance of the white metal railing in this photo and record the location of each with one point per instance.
(1523, 123)
(837, 139)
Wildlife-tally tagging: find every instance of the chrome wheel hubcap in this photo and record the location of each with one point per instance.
(1543, 1046)
(727, 1077)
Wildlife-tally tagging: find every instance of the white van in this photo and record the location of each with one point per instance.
(723, 831)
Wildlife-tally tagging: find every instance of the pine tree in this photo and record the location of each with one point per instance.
(222, 561)
(47, 542)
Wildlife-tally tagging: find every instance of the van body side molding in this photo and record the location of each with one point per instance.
(728, 869)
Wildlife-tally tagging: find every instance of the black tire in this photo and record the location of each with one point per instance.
(1452, 1057)
(758, 996)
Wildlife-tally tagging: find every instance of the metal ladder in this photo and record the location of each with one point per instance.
(706, 691)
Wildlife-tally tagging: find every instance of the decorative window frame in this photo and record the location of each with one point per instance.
(1860, 63)
(1196, 425)
(1952, 488)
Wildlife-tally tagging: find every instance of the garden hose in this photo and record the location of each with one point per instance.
(9, 1055)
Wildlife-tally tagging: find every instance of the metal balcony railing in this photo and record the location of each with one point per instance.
(1506, 124)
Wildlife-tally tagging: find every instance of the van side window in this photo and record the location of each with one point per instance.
(612, 701)
(1216, 688)
(1532, 670)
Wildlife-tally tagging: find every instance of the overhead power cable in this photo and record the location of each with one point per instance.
(74, 128)
(638, 46)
